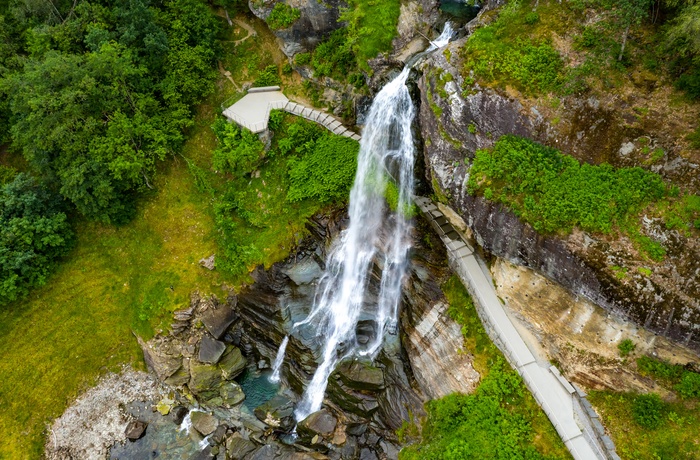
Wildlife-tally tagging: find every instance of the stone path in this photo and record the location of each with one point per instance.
(566, 406)
(253, 111)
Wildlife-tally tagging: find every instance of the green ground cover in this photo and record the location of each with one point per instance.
(500, 420)
(674, 434)
(555, 193)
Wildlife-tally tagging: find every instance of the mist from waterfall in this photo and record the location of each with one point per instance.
(375, 235)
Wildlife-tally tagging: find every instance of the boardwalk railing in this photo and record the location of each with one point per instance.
(565, 405)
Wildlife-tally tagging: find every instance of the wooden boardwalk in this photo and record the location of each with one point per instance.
(253, 112)
(566, 406)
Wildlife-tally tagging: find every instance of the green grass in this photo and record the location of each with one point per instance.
(676, 436)
(499, 420)
(60, 339)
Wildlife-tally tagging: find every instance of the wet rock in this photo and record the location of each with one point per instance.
(210, 350)
(232, 362)
(204, 379)
(390, 450)
(217, 320)
(135, 430)
(231, 394)
(361, 375)
(356, 429)
(204, 423)
(178, 414)
(219, 434)
(239, 448)
(368, 454)
(320, 423)
(304, 272)
(272, 451)
(181, 376)
(163, 359)
(278, 412)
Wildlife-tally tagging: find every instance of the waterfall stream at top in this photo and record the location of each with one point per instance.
(386, 154)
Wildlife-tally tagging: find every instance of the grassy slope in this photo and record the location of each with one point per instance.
(59, 340)
(676, 438)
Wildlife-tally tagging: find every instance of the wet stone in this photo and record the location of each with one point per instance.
(204, 423)
(178, 414)
(135, 430)
(232, 362)
(210, 350)
(217, 320)
(320, 423)
(239, 448)
(368, 454)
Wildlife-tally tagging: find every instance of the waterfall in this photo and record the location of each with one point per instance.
(386, 154)
(277, 367)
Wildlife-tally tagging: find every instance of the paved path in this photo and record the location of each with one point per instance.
(569, 412)
(253, 111)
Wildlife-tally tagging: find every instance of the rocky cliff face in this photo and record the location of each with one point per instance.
(318, 19)
(666, 301)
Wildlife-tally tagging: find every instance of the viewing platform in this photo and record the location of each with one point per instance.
(253, 111)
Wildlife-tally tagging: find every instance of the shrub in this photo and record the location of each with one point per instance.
(689, 386)
(326, 172)
(282, 16)
(268, 77)
(239, 151)
(647, 410)
(34, 234)
(334, 57)
(7, 174)
(302, 58)
(626, 347)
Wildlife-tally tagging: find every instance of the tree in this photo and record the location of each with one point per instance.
(34, 234)
(629, 13)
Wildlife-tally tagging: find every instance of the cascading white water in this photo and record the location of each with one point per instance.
(386, 153)
(279, 359)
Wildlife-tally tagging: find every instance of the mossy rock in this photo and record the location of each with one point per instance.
(232, 362)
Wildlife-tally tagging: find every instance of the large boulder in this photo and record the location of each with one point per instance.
(217, 320)
(321, 423)
(278, 412)
(232, 362)
(135, 430)
(239, 448)
(204, 379)
(361, 375)
(231, 394)
(204, 423)
(210, 350)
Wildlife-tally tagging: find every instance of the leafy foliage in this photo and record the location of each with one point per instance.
(682, 380)
(269, 76)
(239, 150)
(305, 168)
(106, 93)
(554, 192)
(282, 16)
(34, 234)
(626, 347)
(371, 27)
(325, 172)
(647, 410)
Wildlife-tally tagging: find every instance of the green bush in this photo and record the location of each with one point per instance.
(626, 347)
(647, 410)
(34, 234)
(663, 370)
(326, 172)
(689, 386)
(239, 151)
(282, 16)
(268, 77)
(371, 27)
(302, 58)
(334, 57)
(7, 174)
(554, 192)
